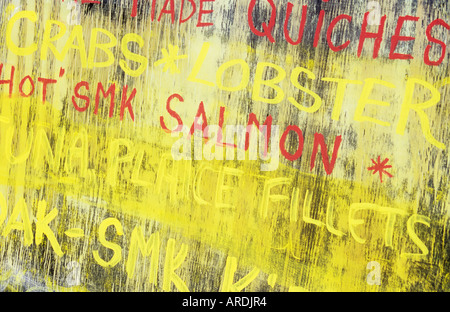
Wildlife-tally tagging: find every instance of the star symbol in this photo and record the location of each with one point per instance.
(169, 59)
(379, 167)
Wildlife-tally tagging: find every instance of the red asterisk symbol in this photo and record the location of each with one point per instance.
(379, 167)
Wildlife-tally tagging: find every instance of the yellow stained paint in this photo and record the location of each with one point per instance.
(107, 193)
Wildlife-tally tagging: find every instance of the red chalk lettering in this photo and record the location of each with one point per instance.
(318, 28)
(252, 120)
(170, 7)
(171, 11)
(320, 140)
(396, 38)
(82, 97)
(126, 102)
(299, 151)
(45, 82)
(194, 7)
(267, 28)
(10, 81)
(220, 133)
(302, 24)
(378, 36)
(172, 113)
(330, 32)
(201, 12)
(134, 9)
(111, 92)
(195, 125)
(22, 82)
(426, 57)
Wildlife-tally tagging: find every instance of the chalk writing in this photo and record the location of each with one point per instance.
(273, 146)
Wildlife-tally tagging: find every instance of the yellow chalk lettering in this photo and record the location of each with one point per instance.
(24, 225)
(143, 61)
(76, 33)
(272, 83)
(268, 197)
(30, 15)
(135, 174)
(340, 91)
(197, 184)
(171, 264)
(352, 222)
(228, 277)
(105, 47)
(74, 233)
(117, 257)
(245, 78)
(307, 210)
(42, 227)
(415, 218)
(42, 150)
(329, 221)
(78, 150)
(167, 176)
(9, 143)
(407, 106)
(212, 149)
(198, 65)
(294, 80)
(390, 223)
(222, 187)
(151, 247)
(293, 207)
(115, 159)
(365, 99)
(47, 41)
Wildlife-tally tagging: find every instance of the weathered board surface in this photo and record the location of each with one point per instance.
(119, 171)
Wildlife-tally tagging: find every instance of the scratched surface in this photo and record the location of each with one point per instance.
(352, 194)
